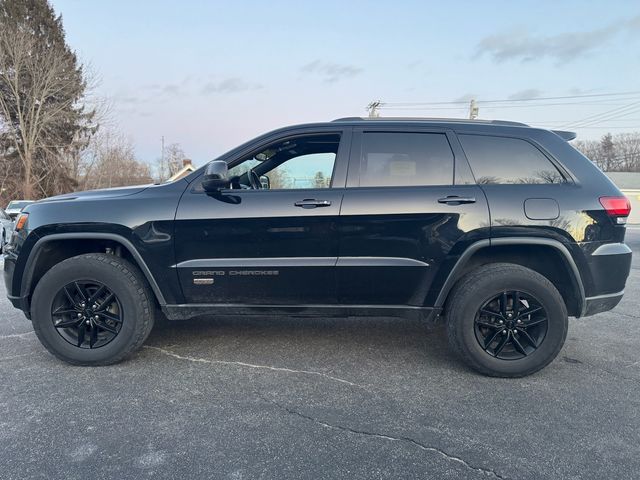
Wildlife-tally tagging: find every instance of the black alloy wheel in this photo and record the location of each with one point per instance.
(511, 325)
(506, 320)
(87, 314)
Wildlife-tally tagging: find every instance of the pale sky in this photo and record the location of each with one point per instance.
(210, 75)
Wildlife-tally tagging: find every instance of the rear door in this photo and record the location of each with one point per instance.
(410, 207)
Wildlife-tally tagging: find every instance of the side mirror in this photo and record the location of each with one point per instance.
(216, 176)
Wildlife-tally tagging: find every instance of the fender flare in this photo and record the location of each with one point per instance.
(454, 274)
(27, 278)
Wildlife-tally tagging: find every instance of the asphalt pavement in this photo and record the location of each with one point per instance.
(280, 398)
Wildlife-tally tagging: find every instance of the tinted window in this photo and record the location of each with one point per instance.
(405, 159)
(507, 160)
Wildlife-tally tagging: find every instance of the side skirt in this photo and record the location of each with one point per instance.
(185, 312)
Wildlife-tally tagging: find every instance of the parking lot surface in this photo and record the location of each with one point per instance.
(322, 398)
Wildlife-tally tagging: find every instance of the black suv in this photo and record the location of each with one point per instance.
(500, 229)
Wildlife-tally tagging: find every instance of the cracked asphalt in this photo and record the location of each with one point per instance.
(323, 398)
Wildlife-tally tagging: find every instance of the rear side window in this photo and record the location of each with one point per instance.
(405, 159)
(499, 160)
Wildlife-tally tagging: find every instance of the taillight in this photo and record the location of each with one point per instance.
(618, 207)
(20, 222)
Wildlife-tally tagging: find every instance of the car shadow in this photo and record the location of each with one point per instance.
(342, 339)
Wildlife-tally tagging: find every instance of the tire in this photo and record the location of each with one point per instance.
(470, 329)
(131, 295)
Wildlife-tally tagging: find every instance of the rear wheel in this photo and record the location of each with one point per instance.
(506, 320)
(93, 309)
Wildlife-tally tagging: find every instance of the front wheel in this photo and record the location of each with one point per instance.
(506, 320)
(93, 309)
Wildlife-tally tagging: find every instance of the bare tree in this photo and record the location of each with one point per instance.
(613, 153)
(627, 151)
(591, 150)
(109, 161)
(170, 163)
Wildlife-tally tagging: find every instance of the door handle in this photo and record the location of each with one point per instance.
(312, 203)
(456, 200)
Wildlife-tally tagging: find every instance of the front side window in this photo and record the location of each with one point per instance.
(295, 163)
(405, 159)
(500, 160)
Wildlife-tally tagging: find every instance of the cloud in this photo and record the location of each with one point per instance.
(466, 98)
(581, 91)
(330, 72)
(155, 90)
(127, 99)
(563, 47)
(170, 90)
(525, 94)
(633, 23)
(229, 85)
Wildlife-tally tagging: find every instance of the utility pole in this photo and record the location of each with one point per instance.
(373, 109)
(473, 109)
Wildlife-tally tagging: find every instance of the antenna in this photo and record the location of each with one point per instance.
(373, 109)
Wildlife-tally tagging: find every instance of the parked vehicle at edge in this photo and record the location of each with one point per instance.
(6, 228)
(16, 206)
(498, 229)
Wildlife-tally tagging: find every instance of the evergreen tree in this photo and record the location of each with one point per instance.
(608, 152)
(42, 87)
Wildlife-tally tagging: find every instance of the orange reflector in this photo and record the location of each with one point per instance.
(22, 219)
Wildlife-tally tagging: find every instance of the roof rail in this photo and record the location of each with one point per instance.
(428, 119)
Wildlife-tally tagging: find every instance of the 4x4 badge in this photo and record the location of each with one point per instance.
(203, 281)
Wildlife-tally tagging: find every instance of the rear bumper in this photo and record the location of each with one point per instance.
(609, 266)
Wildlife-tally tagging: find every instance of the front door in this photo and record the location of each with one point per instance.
(410, 206)
(271, 239)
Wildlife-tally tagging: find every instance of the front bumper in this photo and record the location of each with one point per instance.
(9, 268)
(601, 303)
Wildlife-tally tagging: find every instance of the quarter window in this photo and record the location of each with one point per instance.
(500, 160)
(405, 159)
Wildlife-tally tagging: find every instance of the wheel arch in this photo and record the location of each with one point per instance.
(77, 243)
(546, 256)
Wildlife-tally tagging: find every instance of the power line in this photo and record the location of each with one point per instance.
(599, 127)
(609, 118)
(609, 114)
(531, 99)
(505, 106)
(568, 121)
